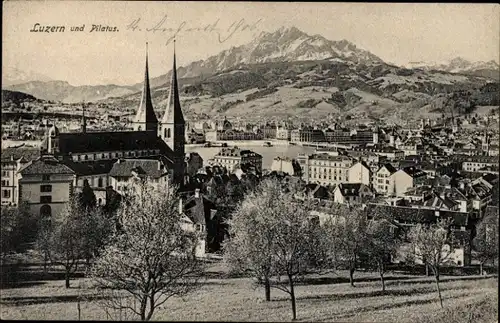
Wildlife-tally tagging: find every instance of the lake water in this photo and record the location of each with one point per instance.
(268, 153)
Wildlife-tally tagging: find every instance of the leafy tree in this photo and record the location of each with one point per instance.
(433, 245)
(272, 235)
(485, 242)
(152, 257)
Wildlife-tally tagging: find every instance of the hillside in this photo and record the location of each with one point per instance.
(67, 93)
(16, 97)
(317, 89)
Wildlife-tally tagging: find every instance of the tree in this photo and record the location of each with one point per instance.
(65, 241)
(97, 228)
(87, 198)
(346, 238)
(272, 235)
(485, 242)
(250, 245)
(18, 228)
(383, 243)
(152, 257)
(77, 233)
(433, 245)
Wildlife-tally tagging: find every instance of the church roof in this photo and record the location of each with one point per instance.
(110, 141)
(146, 113)
(173, 113)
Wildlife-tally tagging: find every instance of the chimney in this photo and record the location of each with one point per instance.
(181, 208)
(197, 193)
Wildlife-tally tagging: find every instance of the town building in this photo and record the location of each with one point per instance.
(127, 172)
(325, 169)
(360, 172)
(46, 185)
(352, 193)
(234, 157)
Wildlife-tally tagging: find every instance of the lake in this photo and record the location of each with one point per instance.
(268, 153)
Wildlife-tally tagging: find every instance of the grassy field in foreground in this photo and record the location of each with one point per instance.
(322, 298)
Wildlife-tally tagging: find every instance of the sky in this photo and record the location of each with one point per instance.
(396, 32)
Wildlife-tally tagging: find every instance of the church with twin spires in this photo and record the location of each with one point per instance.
(154, 147)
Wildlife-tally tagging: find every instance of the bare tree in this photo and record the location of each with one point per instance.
(249, 248)
(152, 257)
(271, 235)
(485, 242)
(346, 236)
(383, 242)
(61, 239)
(433, 245)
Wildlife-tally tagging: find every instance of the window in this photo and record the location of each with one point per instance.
(5, 183)
(99, 182)
(4, 173)
(6, 193)
(45, 177)
(46, 199)
(86, 157)
(45, 188)
(168, 133)
(95, 156)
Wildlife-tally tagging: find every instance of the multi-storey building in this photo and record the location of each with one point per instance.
(12, 161)
(388, 152)
(360, 172)
(307, 134)
(475, 163)
(234, 157)
(130, 171)
(407, 178)
(283, 133)
(351, 137)
(47, 185)
(382, 181)
(324, 168)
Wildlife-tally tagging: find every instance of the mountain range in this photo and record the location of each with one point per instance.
(488, 69)
(290, 72)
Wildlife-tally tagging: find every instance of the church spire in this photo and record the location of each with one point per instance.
(173, 113)
(146, 120)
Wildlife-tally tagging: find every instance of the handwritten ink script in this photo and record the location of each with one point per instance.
(223, 33)
(38, 28)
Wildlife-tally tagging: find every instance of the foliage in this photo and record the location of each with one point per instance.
(272, 236)
(87, 198)
(18, 228)
(152, 258)
(485, 242)
(76, 234)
